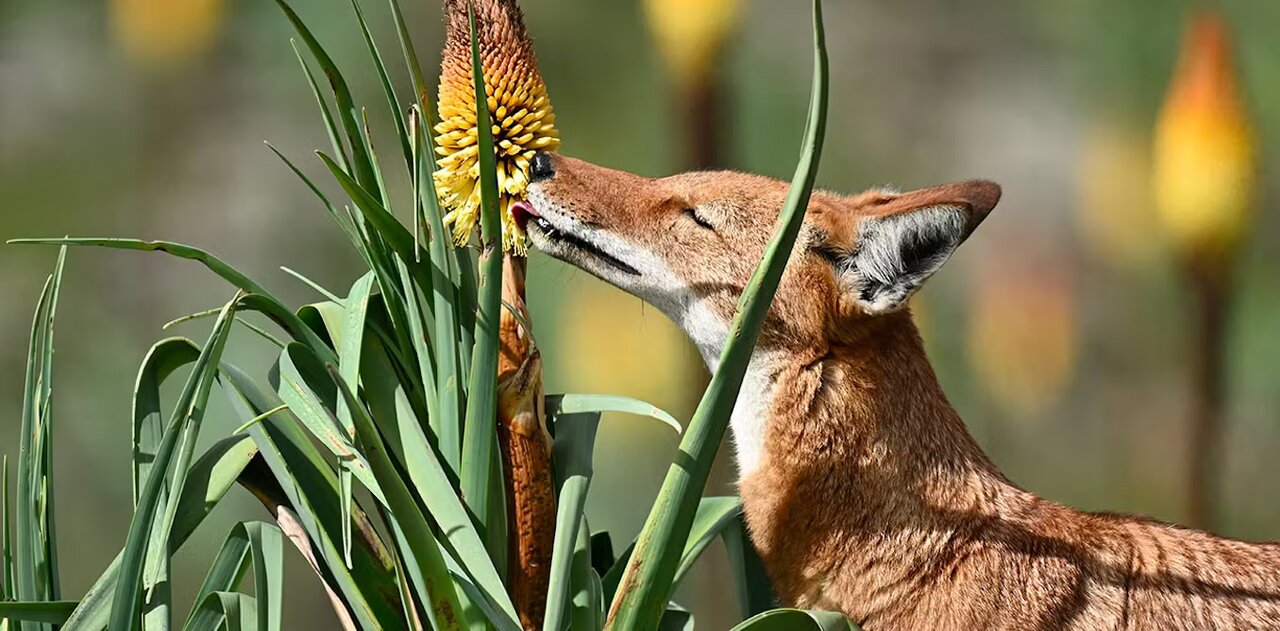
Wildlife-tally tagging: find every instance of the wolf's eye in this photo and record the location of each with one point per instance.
(699, 219)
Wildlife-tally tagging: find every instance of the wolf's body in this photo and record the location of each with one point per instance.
(863, 491)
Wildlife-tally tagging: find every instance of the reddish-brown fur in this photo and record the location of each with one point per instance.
(871, 498)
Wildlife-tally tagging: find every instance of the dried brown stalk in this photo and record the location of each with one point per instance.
(526, 452)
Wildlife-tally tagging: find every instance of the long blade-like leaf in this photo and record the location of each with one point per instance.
(36, 571)
(357, 307)
(229, 611)
(480, 434)
(48, 612)
(646, 585)
(411, 58)
(432, 485)
(392, 103)
(262, 545)
(210, 478)
(256, 299)
(574, 403)
(325, 114)
(755, 591)
(6, 552)
(309, 484)
(186, 417)
(797, 620)
(715, 514)
(573, 450)
(148, 430)
(441, 598)
(347, 112)
(446, 301)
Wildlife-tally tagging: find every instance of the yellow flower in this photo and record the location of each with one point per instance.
(1205, 171)
(523, 122)
(1115, 216)
(1023, 332)
(690, 33)
(165, 32)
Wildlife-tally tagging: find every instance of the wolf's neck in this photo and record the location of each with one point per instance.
(838, 446)
(875, 389)
(867, 416)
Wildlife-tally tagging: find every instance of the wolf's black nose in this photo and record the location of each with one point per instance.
(542, 168)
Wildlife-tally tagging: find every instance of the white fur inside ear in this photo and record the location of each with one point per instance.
(897, 253)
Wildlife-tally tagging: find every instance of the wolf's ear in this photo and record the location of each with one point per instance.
(898, 241)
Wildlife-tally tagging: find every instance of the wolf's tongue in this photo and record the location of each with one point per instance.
(521, 211)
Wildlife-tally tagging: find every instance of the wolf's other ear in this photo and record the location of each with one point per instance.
(900, 240)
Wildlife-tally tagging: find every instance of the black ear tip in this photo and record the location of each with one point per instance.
(982, 195)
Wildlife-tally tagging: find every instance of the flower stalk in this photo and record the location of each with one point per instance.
(691, 36)
(1205, 186)
(522, 124)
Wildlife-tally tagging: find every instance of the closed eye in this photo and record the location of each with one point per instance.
(699, 219)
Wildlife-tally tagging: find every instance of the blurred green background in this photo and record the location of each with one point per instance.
(1059, 330)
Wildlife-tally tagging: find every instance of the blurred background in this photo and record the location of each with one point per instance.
(1063, 331)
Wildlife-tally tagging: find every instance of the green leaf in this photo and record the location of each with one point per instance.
(446, 612)
(755, 591)
(410, 58)
(587, 605)
(418, 322)
(309, 488)
(36, 571)
(797, 620)
(715, 514)
(446, 300)
(231, 611)
(268, 573)
(347, 113)
(574, 403)
(388, 227)
(309, 393)
(647, 583)
(256, 542)
(210, 313)
(344, 223)
(208, 481)
(392, 103)
(357, 307)
(433, 486)
(572, 452)
(256, 297)
(210, 478)
(6, 552)
(312, 284)
(479, 442)
(329, 125)
(184, 421)
(215, 264)
(164, 357)
(48, 612)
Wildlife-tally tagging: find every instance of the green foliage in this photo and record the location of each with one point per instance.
(393, 389)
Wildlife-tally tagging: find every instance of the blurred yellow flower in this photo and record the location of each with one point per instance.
(1204, 153)
(612, 343)
(165, 32)
(1022, 333)
(1115, 214)
(690, 33)
(523, 122)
